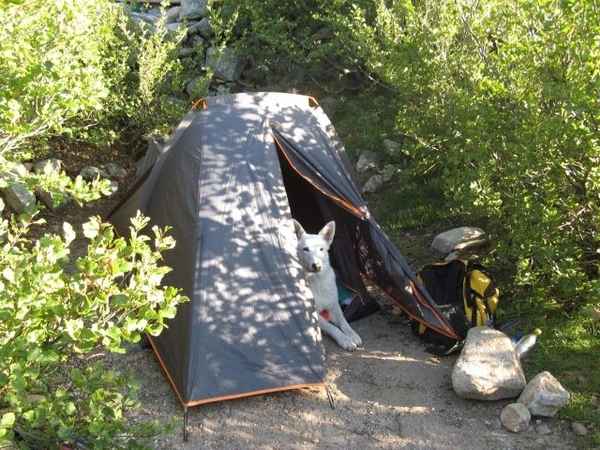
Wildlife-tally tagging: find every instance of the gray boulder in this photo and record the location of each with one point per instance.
(192, 9)
(458, 239)
(390, 146)
(91, 173)
(52, 200)
(48, 166)
(373, 184)
(18, 197)
(488, 367)
(544, 395)
(388, 172)
(173, 14)
(228, 63)
(579, 429)
(367, 161)
(204, 28)
(115, 171)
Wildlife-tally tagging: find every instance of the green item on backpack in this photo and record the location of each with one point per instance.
(464, 292)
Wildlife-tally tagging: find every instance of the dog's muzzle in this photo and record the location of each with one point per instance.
(315, 267)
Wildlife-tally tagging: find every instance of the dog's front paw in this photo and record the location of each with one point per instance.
(347, 343)
(355, 338)
(351, 335)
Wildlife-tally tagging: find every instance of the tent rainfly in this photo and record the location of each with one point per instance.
(228, 182)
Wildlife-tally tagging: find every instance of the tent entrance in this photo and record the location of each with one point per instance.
(313, 208)
(304, 201)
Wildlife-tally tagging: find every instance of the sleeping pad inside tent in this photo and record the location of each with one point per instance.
(227, 183)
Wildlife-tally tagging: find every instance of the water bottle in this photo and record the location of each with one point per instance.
(527, 342)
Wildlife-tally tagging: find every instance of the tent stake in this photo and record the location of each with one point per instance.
(330, 397)
(185, 423)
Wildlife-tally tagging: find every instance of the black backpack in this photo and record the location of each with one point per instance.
(465, 293)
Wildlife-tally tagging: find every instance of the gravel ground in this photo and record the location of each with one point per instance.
(388, 394)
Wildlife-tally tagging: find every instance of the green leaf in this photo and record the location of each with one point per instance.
(35, 354)
(69, 233)
(18, 383)
(70, 408)
(91, 229)
(8, 419)
(9, 274)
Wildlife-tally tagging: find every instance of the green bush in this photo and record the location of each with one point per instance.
(51, 71)
(300, 41)
(500, 98)
(82, 69)
(55, 311)
(151, 76)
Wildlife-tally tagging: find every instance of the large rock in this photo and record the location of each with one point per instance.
(488, 367)
(18, 197)
(458, 239)
(228, 63)
(52, 200)
(115, 170)
(390, 147)
(192, 9)
(90, 173)
(373, 184)
(367, 161)
(173, 14)
(388, 172)
(48, 166)
(544, 395)
(204, 28)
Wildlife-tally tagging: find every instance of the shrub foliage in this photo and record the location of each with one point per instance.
(498, 99)
(81, 69)
(56, 312)
(505, 94)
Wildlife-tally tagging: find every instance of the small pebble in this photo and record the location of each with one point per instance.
(579, 429)
(542, 428)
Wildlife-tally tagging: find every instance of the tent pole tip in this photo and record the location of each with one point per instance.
(185, 424)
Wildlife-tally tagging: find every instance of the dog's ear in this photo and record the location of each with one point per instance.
(298, 229)
(328, 231)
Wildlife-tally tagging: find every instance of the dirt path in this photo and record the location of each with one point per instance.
(389, 394)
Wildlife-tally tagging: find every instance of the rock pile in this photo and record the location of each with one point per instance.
(18, 196)
(198, 53)
(489, 369)
(368, 164)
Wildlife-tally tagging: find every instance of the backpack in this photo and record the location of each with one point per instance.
(465, 293)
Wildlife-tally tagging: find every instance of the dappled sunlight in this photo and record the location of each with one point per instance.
(251, 325)
(394, 357)
(389, 394)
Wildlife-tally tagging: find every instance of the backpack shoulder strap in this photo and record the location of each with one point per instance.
(471, 295)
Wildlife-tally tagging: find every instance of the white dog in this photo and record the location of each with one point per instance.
(313, 252)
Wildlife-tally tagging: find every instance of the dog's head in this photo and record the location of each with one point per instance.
(313, 249)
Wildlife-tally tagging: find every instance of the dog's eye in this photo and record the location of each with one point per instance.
(305, 249)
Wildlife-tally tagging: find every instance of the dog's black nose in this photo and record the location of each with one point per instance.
(316, 267)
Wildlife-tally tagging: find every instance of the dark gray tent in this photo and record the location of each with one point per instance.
(228, 182)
